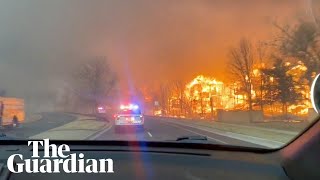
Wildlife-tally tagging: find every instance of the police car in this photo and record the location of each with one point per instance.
(129, 116)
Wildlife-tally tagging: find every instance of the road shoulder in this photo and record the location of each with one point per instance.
(267, 140)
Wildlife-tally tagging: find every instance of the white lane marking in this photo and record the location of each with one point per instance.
(100, 133)
(198, 133)
(149, 134)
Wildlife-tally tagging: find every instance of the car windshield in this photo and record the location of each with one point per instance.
(224, 72)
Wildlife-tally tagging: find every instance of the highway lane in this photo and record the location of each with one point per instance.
(159, 130)
(155, 129)
(47, 122)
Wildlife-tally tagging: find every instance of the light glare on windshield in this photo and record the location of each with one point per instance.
(225, 72)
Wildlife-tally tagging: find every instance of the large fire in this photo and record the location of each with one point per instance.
(205, 95)
(209, 94)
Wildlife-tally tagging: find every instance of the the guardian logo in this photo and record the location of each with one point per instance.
(56, 159)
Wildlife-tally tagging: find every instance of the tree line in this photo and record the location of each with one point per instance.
(296, 46)
(90, 84)
(277, 71)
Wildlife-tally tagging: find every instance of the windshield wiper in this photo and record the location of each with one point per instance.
(192, 138)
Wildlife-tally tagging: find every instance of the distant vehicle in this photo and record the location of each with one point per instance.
(129, 115)
(12, 111)
(101, 110)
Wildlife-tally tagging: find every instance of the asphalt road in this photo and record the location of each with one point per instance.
(155, 129)
(47, 122)
(159, 130)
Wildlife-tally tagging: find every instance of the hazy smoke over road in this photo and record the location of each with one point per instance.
(143, 40)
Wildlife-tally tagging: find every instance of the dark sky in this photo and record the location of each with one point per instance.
(145, 41)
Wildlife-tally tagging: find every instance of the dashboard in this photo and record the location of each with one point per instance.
(136, 162)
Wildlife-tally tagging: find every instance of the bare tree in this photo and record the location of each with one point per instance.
(240, 64)
(261, 53)
(94, 81)
(164, 98)
(301, 42)
(178, 90)
(201, 96)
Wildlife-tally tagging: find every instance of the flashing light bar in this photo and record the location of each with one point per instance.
(130, 106)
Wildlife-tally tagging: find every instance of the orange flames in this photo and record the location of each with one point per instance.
(204, 95)
(209, 94)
